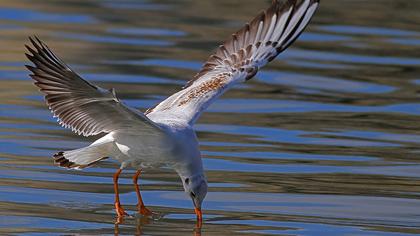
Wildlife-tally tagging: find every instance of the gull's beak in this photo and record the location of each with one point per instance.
(197, 208)
(198, 213)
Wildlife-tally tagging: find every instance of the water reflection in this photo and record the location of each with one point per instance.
(123, 227)
(324, 141)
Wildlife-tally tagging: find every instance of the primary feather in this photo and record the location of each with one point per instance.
(85, 108)
(239, 58)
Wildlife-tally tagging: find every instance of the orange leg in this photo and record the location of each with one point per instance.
(140, 205)
(118, 208)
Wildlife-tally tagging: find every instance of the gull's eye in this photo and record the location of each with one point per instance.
(187, 180)
(192, 194)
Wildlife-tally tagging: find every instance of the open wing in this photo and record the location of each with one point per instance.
(239, 58)
(85, 108)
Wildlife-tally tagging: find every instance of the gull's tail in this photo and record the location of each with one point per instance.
(83, 157)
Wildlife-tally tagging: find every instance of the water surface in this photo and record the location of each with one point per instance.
(324, 141)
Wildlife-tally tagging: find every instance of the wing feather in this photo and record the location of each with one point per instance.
(239, 58)
(85, 108)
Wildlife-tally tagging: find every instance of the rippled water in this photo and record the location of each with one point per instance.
(324, 141)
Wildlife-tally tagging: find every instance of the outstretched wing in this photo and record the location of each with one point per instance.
(239, 58)
(85, 108)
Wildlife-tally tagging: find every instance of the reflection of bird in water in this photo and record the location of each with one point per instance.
(142, 221)
(163, 135)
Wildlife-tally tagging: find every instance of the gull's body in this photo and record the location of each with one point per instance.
(163, 135)
(176, 147)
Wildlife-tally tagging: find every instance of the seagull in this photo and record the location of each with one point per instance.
(163, 136)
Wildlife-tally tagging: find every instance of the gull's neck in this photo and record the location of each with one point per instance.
(193, 167)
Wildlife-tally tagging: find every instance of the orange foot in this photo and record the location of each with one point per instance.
(144, 211)
(120, 211)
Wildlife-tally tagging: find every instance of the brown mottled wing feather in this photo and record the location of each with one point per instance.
(240, 57)
(261, 40)
(85, 108)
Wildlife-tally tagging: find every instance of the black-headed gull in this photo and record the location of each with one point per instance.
(163, 135)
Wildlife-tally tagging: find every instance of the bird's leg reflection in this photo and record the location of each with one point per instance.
(140, 222)
(197, 228)
(116, 229)
(119, 220)
(144, 220)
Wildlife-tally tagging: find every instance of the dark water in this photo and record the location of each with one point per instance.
(324, 141)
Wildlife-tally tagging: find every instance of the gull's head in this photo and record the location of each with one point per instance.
(196, 187)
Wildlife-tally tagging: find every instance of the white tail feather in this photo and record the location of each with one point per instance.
(84, 157)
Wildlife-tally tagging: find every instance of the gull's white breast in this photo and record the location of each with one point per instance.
(170, 148)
